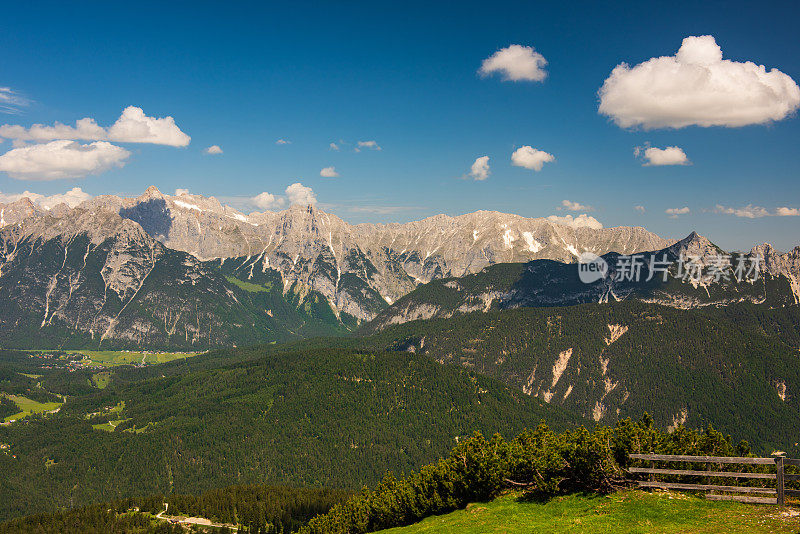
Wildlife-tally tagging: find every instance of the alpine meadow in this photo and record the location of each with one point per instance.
(341, 268)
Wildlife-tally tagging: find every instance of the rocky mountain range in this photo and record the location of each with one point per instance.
(691, 273)
(185, 269)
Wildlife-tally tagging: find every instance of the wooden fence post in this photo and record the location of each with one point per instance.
(779, 485)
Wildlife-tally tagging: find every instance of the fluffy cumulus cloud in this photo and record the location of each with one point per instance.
(297, 193)
(575, 206)
(371, 145)
(329, 172)
(62, 159)
(515, 63)
(581, 221)
(756, 212)
(480, 169)
(655, 157)
(267, 201)
(10, 101)
(697, 87)
(133, 126)
(181, 192)
(674, 212)
(213, 150)
(639, 209)
(531, 158)
(72, 198)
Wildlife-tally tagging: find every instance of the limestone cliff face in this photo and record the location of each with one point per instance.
(359, 269)
(162, 269)
(545, 283)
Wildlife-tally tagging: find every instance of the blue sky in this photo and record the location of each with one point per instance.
(406, 76)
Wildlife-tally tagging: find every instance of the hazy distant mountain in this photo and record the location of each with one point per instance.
(550, 283)
(152, 269)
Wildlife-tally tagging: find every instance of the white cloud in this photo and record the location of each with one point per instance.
(334, 146)
(300, 194)
(756, 212)
(531, 158)
(283, 142)
(85, 129)
(181, 192)
(640, 209)
(581, 221)
(329, 172)
(213, 150)
(480, 169)
(787, 212)
(674, 212)
(11, 101)
(575, 206)
(267, 201)
(133, 126)
(61, 159)
(516, 63)
(372, 145)
(697, 87)
(654, 157)
(72, 198)
(749, 211)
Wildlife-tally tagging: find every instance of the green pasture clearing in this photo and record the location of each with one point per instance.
(625, 512)
(110, 426)
(28, 407)
(124, 357)
(101, 380)
(118, 357)
(247, 286)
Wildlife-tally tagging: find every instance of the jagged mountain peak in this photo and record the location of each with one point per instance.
(694, 245)
(151, 192)
(359, 268)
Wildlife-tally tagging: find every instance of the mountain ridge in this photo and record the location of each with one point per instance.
(185, 269)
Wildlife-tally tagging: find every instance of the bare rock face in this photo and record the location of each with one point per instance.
(358, 268)
(15, 212)
(776, 263)
(769, 278)
(109, 265)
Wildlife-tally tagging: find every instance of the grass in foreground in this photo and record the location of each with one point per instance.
(622, 512)
(28, 407)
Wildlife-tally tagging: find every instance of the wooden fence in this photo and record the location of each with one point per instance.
(776, 494)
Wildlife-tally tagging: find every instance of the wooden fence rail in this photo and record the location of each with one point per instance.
(762, 495)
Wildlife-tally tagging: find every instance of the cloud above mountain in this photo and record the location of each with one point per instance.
(133, 126)
(581, 221)
(267, 201)
(531, 158)
(675, 212)
(515, 63)
(697, 87)
(480, 169)
(62, 159)
(297, 193)
(756, 212)
(72, 198)
(574, 206)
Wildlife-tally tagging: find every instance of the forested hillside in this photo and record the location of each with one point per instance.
(333, 417)
(735, 367)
